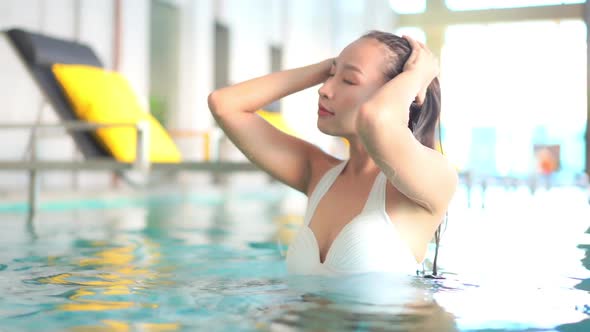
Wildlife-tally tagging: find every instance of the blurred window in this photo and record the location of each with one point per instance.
(408, 7)
(488, 4)
(510, 87)
(414, 32)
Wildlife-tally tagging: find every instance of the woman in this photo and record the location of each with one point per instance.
(378, 210)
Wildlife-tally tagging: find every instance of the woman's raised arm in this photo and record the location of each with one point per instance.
(284, 157)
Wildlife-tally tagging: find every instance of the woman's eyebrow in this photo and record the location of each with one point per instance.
(350, 67)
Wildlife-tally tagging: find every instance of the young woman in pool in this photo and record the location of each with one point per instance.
(378, 210)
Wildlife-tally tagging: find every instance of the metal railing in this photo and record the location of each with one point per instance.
(141, 162)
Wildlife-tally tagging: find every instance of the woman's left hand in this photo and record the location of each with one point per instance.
(424, 63)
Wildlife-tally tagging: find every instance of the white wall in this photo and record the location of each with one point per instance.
(96, 28)
(196, 75)
(249, 41)
(21, 98)
(135, 17)
(14, 85)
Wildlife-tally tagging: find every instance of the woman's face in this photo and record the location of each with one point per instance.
(356, 74)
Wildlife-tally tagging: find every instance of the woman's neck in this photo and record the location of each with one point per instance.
(359, 161)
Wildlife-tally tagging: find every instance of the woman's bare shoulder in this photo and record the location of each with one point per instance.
(321, 162)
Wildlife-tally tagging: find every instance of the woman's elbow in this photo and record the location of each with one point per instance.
(367, 119)
(373, 118)
(213, 101)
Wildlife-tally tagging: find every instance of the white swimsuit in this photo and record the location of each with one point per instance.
(368, 243)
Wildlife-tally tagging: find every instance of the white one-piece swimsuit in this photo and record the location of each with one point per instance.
(368, 243)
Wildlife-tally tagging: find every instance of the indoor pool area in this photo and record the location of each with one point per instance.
(214, 261)
(162, 162)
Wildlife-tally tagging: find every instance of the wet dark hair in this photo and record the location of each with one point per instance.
(423, 118)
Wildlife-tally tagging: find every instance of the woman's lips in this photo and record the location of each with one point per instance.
(324, 112)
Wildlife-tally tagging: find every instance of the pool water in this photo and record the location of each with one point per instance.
(218, 265)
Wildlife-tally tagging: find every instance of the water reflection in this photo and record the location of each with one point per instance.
(585, 284)
(119, 326)
(425, 316)
(219, 265)
(365, 302)
(103, 268)
(109, 277)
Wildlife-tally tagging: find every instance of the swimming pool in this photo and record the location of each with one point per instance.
(216, 264)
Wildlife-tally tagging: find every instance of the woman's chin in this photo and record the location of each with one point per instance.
(336, 132)
(327, 131)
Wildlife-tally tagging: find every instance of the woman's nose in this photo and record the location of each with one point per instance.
(324, 91)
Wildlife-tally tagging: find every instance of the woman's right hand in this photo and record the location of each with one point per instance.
(422, 62)
(327, 65)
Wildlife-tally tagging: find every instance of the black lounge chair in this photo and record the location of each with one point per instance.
(38, 53)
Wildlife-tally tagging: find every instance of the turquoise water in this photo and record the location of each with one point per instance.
(218, 265)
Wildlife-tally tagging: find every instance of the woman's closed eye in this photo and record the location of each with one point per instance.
(344, 80)
(349, 82)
